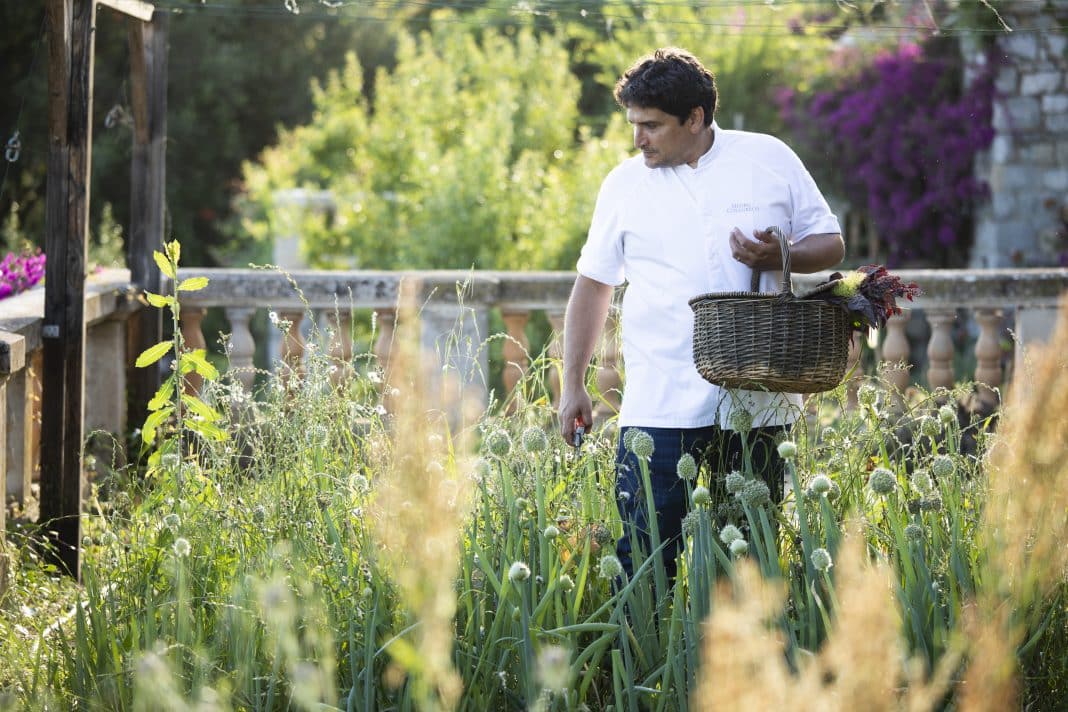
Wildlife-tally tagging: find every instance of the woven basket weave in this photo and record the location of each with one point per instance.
(772, 342)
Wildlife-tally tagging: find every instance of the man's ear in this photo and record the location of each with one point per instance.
(697, 119)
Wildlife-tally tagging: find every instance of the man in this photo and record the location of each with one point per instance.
(687, 216)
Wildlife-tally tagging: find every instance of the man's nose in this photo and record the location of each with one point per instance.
(639, 138)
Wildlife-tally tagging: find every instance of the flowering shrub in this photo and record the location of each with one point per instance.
(19, 272)
(902, 136)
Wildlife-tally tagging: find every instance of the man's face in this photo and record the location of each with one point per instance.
(663, 141)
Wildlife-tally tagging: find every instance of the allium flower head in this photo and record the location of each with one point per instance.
(566, 583)
(931, 504)
(628, 439)
(755, 493)
(914, 532)
(687, 467)
(518, 572)
(921, 480)
(734, 482)
(690, 522)
(701, 496)
(610, 567)
(820, 484)
(943, 466)
(498, 443)
(821, 559)
(729, 534)
(181, 547)
(835, 492)
(867, 395)
(740, 420)
(172, 521)
(554, 667)
(170, 461)
(930, 427)
(787, 449)
(947, 415)
(739, 548)
(882, 481)
(534, 440)
(551, 532)
(642, 444)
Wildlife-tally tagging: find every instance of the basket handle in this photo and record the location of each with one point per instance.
(787, 282)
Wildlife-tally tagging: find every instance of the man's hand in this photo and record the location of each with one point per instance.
(761, 253)
(575, 408)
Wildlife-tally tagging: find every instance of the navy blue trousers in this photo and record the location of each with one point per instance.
(716, 451)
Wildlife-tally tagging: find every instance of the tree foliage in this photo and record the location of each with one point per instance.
(472, 153)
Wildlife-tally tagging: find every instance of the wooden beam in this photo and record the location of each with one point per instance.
(134, 8)
(148, 169)
(138, 82)
(72, 30)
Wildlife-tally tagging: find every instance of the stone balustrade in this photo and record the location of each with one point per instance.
(991, 307)
(109, 302)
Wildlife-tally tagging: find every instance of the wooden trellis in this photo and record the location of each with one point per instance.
(71, 33)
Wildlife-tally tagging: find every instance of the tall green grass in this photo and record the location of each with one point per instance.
(270, 569)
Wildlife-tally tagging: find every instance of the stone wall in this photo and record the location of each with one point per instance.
(1024, 223)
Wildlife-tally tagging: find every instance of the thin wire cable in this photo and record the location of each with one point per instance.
(25, 94)
(768, 30)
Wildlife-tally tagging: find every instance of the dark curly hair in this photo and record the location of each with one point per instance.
(669, 79)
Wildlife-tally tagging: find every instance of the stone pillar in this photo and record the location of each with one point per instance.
(515, 351)
(292, 208)
(12, 360)
(454, 333)
(20, 430)
(105, 382)
(1026, 166)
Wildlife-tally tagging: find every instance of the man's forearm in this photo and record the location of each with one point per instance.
(587, 310)
(816, 252)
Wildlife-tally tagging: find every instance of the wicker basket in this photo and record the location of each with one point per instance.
(772, 342)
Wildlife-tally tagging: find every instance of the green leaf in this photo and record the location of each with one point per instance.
(174, 250)
(201, 365)
(201, 408)
(152, 422)
(193, 284)
(158, 300)
(164, 266)
(152, 354)
(208, 430)
(163, 396)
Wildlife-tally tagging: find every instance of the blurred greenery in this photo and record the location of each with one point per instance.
(453, 133)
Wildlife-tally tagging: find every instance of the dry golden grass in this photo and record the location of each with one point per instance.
(863, 666)
(864, 663)
(1025, 524)
(422, 500)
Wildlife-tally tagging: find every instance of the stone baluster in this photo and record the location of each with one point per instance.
(515, 352)
(940, 348)
(36, 393)
(339, 331)
(12, 361)
(193, 338)
(21, 412)
(988, 369)
(896, 351)
(556, 354)
(386, 322)
(242, 346)
(856, 374)
(609, 382)
(292, 352)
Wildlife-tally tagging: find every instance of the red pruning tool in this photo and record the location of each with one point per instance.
(580, 433)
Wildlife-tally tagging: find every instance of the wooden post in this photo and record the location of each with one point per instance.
(70, 87)
(148, 70)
